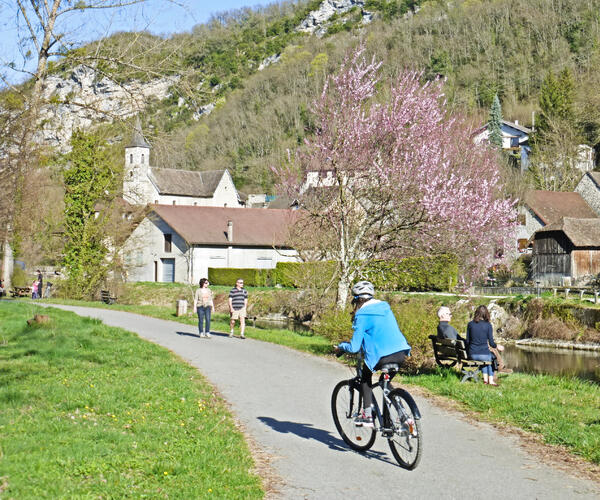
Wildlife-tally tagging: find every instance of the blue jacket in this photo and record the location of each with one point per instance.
(479, 335)
(376, 333)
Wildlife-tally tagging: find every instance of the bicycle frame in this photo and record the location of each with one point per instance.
(384, 383)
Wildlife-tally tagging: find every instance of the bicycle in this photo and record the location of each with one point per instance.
(400, 421)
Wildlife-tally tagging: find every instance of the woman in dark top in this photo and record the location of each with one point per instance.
(480, 334)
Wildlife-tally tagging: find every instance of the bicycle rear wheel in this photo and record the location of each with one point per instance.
(344, 408)
(406, 442)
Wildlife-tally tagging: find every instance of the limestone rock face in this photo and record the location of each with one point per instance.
(85, 98)
(326, 10)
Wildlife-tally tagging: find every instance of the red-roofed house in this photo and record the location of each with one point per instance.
(542, 208)
(180, 243)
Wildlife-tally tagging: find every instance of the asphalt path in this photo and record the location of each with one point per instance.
(282, 399)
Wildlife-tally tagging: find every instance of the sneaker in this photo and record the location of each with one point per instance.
(362, 421)
(202, 335)
(505, 370)
(242, 336)
(208, 335)
(231, 335)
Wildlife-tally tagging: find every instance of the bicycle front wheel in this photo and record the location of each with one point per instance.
(406, 442)
(345, 405)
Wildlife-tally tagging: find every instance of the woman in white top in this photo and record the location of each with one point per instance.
(204, 306)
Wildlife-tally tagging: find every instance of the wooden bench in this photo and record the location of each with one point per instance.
(106, 297)
(449, 352)
(21, 291)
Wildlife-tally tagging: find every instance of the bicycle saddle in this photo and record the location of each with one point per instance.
(390, 367)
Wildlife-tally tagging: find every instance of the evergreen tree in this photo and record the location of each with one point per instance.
(556, 100)
(495, 123)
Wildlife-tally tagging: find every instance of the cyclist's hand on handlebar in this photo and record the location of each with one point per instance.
(337, 351)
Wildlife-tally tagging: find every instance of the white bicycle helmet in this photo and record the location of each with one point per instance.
(363, 290)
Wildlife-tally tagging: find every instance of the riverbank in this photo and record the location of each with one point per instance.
(547, 406)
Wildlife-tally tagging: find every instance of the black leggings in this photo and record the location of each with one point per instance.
(367, 375)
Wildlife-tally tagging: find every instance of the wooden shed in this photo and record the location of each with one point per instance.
(567, 252)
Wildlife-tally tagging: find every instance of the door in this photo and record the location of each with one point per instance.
(168, 270)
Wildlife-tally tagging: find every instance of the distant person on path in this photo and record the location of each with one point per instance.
(378, 336)
(40, 284)
(34, 289)
(480, 337)
(2, 289)
(204, 306)
(238, 302)
(445, 330)
(48, 291)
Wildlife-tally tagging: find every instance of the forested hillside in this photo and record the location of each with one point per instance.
(261, 74)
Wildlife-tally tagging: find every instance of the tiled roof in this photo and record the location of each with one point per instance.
(552, 206)
(581, 232)
(208, 225)
(186, 182)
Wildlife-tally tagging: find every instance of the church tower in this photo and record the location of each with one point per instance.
(136, 184)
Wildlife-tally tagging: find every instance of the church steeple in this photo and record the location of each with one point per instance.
(137, 162)
(137, 139)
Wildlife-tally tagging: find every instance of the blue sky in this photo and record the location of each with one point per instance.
(156, 16)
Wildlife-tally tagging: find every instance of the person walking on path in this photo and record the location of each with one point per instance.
(238, 302)
(480, 337)
(204, 306)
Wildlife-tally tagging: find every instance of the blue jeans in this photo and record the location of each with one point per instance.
(203, 318)
(486, 370)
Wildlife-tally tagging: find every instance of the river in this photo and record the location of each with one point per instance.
(553, 361)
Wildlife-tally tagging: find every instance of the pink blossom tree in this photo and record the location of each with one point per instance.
(392, 174)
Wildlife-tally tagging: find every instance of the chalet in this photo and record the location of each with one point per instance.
(515, 139)
(567, 252)
(541, 208)
(143, 184)
(179, 243)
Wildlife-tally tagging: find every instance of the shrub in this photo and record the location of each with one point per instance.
(228, 276)
(19, 277)
(334, 324)
(304, 274)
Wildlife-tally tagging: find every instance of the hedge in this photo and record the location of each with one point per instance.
(438, 272)
(251, 277)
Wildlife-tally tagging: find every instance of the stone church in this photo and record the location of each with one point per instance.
(144, 184)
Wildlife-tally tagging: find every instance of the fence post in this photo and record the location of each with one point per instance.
(554, 291)
(595, 296)
(567, 290)
(581, 294)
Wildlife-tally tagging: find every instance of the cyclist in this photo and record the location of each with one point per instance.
(378, 336)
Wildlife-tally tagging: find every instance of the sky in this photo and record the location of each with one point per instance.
(160, 17)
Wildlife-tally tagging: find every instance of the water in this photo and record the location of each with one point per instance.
(566, 362)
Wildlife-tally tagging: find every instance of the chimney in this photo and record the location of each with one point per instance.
(516, 122)
(229, 230)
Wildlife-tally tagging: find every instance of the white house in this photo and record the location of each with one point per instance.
(143, 184)
(179, 243)
(515, 138)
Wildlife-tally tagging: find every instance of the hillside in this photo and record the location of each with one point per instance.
(236, 92)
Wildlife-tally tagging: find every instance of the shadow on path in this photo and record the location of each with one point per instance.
(307, 431)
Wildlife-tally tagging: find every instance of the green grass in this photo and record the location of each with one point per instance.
(90, 411)
(564, 411)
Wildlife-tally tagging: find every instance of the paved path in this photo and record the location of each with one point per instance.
(282, 398)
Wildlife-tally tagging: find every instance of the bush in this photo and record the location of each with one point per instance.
(438, 272)
(304, 274)
(19, 277)
(251, 277)
(334, 324)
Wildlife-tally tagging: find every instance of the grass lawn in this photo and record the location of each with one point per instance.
(91, 411)
(564, 411)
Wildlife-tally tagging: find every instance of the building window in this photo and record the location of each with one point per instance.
(142, 158)
(174, 202)
(130, 158)
(168, 244)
